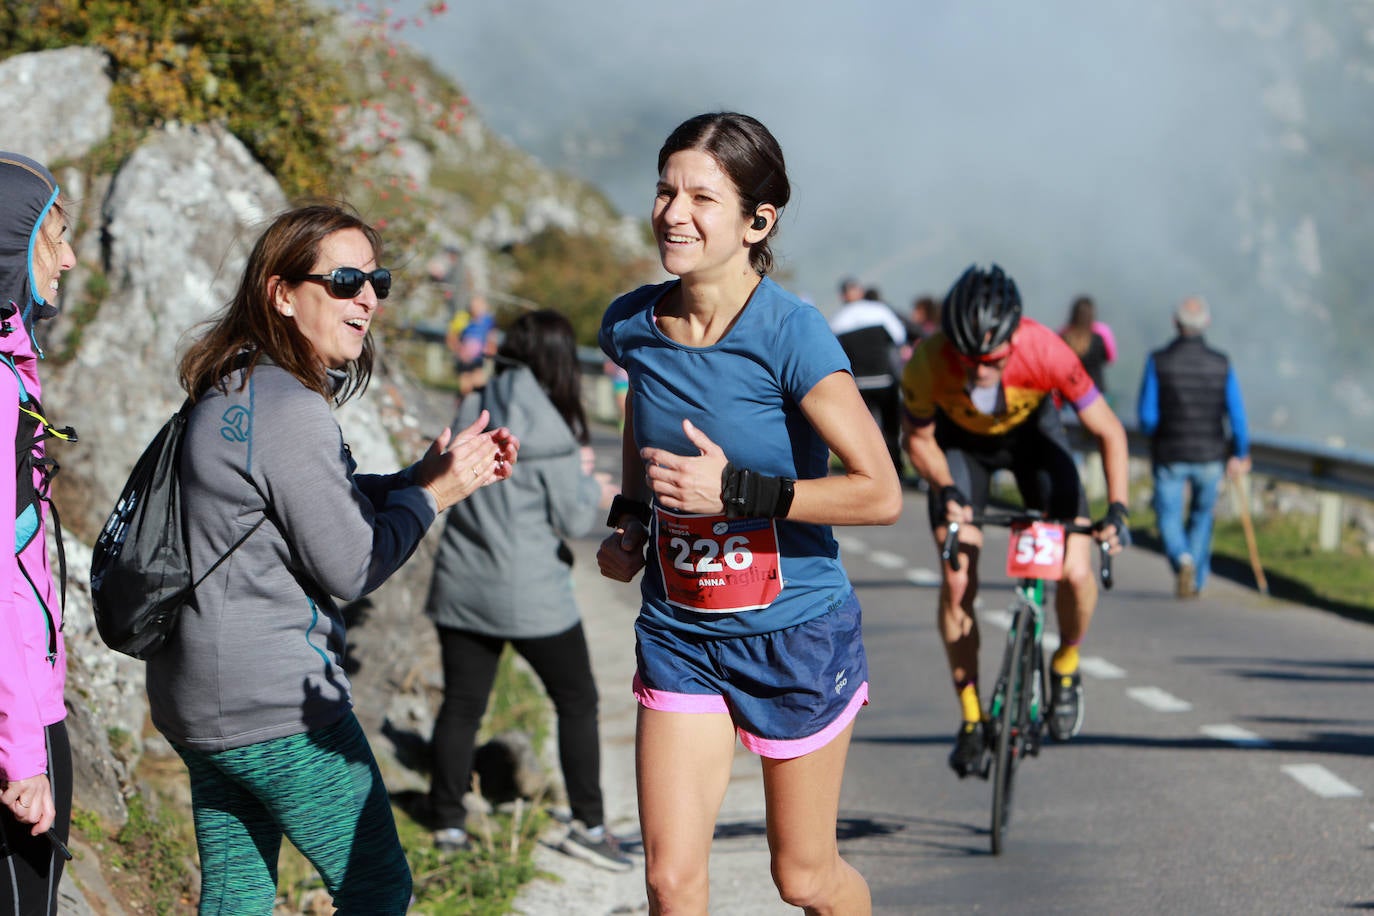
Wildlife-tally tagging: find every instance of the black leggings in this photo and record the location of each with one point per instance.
(30, 866)
(564, 666)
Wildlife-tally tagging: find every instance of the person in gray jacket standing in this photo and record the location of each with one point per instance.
(251, 689)
(503, 574)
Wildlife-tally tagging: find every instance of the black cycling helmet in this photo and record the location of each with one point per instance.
(981, 311)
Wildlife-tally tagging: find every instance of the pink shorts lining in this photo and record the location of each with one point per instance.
(773, 748)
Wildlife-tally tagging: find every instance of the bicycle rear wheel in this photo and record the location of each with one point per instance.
(1012, 720)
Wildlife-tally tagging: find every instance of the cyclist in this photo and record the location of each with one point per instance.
(977, 398)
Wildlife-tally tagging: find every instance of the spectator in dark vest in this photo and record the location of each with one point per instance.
(1190, 406)
(871, 333)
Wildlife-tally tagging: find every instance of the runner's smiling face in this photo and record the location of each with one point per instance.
(697, 219)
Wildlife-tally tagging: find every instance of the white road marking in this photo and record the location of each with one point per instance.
(998, 618)
(1098, 667)
(923, 577)
(886, 560)
(1319, 780)
(850, 544)
(1158, 700)
(1234, 734)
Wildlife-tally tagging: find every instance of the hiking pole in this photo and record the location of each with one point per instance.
(1243, 504)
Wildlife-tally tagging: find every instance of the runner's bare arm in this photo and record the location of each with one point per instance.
(868, 492)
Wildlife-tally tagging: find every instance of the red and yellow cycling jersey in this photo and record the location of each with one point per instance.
(1040, 364)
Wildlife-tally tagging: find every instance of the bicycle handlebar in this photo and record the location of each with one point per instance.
(949, 552)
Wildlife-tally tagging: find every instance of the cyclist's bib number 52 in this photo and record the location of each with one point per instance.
(1036, 551)
(717, 565)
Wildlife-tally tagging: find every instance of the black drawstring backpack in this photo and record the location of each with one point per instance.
(140, 566)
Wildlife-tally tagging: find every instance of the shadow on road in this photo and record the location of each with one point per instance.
(874, 834)
(1319, 671)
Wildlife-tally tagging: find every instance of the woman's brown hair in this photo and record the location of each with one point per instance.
(289, 247)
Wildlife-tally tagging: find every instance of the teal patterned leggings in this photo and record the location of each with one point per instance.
(323, 791)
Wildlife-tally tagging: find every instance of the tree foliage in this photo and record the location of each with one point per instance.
(256, 64)
(578, 275)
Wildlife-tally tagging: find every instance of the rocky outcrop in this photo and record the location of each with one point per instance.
(55, 104)
(163, 243)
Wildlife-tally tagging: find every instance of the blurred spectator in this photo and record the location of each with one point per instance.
(1188, 399)
(503, 575)
(620, 387)
(923, 321)
(1091, 339)
(871, 334)
(470, 337)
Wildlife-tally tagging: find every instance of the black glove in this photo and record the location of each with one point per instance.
(622, 506)
(952, 494)
(1120, 516)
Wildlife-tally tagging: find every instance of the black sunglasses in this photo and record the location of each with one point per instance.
(347, 282)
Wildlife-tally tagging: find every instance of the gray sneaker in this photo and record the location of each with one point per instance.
(451, 839)
(598, 846)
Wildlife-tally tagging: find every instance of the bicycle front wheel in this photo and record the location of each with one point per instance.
(1013, 719)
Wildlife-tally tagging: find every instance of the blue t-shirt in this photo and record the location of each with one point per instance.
(744, 392)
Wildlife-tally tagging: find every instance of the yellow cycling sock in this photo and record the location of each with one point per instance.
(1065, 660)
(968, 699)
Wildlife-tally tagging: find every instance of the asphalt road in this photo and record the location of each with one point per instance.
(1226, 764)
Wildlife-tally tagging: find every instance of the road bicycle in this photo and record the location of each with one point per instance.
(1017, 711)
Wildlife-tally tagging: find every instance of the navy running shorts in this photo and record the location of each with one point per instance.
(788, 693)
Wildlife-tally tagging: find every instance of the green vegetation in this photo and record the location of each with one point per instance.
(484, 880)
(1341, 580)
(152, 846)
(258, 65)
(577, 274)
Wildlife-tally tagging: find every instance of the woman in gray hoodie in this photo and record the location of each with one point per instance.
(251, 689)
(503, 575)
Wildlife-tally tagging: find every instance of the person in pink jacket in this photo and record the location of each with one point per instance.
(35, 756)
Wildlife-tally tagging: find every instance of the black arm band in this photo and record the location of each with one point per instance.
(747, 493)
(622, 506)
(953, 494)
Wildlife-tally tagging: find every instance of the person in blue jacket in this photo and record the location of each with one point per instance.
(1191, 407)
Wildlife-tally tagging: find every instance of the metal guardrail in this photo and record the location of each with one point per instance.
(1319, 467)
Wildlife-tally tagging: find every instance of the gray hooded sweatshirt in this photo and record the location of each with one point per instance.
(260, 654)
(502, 568)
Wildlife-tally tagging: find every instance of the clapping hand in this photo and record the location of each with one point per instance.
(454, 467)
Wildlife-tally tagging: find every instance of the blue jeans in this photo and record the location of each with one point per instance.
(1192, 536)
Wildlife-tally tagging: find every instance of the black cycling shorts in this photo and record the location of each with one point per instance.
(1037, 453)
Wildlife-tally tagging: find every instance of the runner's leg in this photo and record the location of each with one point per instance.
(803, 800)
(682, 767)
